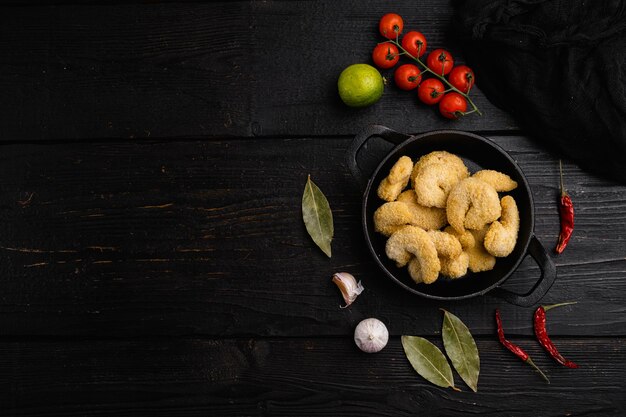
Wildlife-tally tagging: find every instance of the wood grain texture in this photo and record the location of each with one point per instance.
(186, 238)
(147, 271)
(303, 377)
(233, 68)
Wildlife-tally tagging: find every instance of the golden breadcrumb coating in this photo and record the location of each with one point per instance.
(478, 226)
(466, 238)
(472, 204)
(428, 218)
(391, 216)
(501, 182)
(501, 237)
(398, 178)
(455, 267)
(479, 259)
(419, 274)
(409, 242)
(447, 245)
(434, 175)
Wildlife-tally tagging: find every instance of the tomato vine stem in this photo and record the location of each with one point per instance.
(441, 77)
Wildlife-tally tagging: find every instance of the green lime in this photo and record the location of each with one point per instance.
(360, 85)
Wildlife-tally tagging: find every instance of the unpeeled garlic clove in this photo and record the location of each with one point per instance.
(350, 289)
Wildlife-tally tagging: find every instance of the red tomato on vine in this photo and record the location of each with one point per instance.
(385, 55)
(462, 78)
(452, 105)
(407, 77)
(391, 25)
(414, 43)
(440, 61)
(430, 91)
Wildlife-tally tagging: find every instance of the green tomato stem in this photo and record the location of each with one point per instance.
(441, 77)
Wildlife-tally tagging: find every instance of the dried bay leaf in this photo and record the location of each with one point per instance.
(428, 361)
(317, 216)
(461, 349)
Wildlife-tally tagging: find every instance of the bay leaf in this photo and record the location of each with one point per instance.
(461, 349)
(428, 361)
(317, 216)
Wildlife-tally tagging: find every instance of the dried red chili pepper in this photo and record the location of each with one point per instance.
(566, 212)
(517, 351)
(539, 321)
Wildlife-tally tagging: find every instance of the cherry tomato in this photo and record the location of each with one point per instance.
(440, 61)
(385, 55)
(414, 42)
(407, 77)
(390, 25)
(462, 78)
(452, 105)
(430, 91)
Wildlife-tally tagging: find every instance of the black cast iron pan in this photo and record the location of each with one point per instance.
(478, 153)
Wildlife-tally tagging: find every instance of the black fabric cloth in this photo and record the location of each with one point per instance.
(559, 67)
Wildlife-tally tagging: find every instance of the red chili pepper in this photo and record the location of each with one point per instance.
(517, 351)
(566, 212)
(539, 321)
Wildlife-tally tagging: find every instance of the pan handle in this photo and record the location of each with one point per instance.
(541, 287)
(361, 138)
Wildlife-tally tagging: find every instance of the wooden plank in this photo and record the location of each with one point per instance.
(197, 237)
(204, 69)
(304, 377)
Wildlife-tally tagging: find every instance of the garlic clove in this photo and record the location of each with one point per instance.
(371, 335)
(350, 289)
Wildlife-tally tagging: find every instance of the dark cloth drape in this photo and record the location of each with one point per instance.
(559, 67)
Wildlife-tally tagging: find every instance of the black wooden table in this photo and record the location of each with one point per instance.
(153, 259)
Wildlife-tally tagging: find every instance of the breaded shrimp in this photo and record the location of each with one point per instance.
(391, 216)
(466, 239)
(447, 245)
(472, 204)
(434, 175)
(397, 180)
(479, 259)
(502, 235)
(409, 242)
(415, 271)
(428, 218)
(455, 163)
(501, 182)
(421, 274)
(455, 267)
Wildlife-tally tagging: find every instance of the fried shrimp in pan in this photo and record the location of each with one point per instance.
(501, 182)
(472, 204)
(479, 259)
(412, 244)
(421, 273)
(455, 267)
(501, 236)
(466, 238)
(390, 217)
(397, 180)
(450, 248)
(447, 245)
(440, 158)
(433, 184)
(415, 271)
(434, 175)
(428, 218)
